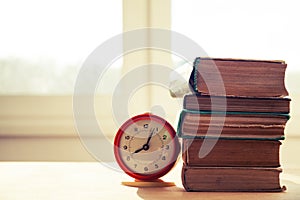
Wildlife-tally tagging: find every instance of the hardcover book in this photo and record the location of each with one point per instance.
(237, 104)
(239, 77)
(231, 124)
(241, 179)
(232, 153)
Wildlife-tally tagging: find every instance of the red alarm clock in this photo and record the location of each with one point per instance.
(146, 147)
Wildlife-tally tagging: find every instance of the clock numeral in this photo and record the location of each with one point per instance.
(135, 165)
(128, 158)
(156, 166)
(164, 137)
(125, 147)
(156, 129)
(167, 147)
(163, 158)
(127, 137)
(146, 169)
(136, 129)
(145, 125)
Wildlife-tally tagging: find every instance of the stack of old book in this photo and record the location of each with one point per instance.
(232, 125)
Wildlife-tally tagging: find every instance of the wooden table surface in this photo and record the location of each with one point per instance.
(94, 180)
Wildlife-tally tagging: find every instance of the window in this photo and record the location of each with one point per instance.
(44, 43)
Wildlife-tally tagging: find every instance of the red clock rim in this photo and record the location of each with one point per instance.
(162, 172)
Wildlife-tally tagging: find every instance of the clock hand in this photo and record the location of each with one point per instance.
(138, 150)
(149, 138)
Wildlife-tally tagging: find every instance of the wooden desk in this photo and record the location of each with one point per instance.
(92, 180)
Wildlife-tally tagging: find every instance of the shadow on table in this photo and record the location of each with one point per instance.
(176, 193)
(161, 193)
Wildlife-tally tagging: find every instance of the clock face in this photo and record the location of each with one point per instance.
(146, 147)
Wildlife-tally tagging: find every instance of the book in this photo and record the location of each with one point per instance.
(232, 153)
(241, 107)
(237, 104)
(231, 124)
(242, 179)
(239, 77)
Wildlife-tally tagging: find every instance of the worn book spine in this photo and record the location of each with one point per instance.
(231, 124)
(238, 77)
(236, 103)
(232, 153)
(230, 179)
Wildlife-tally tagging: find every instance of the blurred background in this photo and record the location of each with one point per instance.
(44, 43)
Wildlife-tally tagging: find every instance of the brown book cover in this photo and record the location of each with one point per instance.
(231, 124)
(239, 77)
(237, 104)
(232, 153)
(231, 179)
